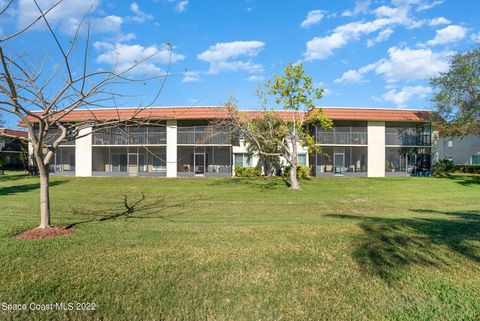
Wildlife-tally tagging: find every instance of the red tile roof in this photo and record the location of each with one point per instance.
(13, 133)
(159, 113)
(377, 114)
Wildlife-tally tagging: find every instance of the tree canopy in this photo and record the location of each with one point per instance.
(457, 95)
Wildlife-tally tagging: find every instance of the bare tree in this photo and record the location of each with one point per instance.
(42, 97)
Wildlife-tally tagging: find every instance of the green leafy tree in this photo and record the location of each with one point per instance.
(294, 92)
(457, 95)
(280, 134)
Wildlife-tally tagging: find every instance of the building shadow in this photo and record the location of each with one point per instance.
(127, 207)
(389, 245)
(23, 188)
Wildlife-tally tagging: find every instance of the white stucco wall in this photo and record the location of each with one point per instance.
(376, 149)
(83, 153)
(171, 148)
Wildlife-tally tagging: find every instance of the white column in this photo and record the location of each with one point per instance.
(30, 151)
(376, 149)
(83, 153)
(171, 148)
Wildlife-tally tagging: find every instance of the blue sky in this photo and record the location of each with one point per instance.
(364, 53)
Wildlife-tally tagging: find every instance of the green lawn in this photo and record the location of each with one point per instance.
(229, 249)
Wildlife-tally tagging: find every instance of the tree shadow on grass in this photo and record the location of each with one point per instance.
(13, 177)
(389, 245)
(263, 183)
(4, 191)
(466, 180)
(140, 207)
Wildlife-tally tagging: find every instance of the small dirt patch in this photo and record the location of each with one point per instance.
(45, 233)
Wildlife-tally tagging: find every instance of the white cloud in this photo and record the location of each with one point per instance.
(62, 16)
(107, 24)
(452, 33)
(181, 6)
(224, 56)
(405, 94)
(350, 76)
(411, 64)
(475, 37)
(139, 15)
(387, 17)
(403, 64)
(355, 76)
(439, 21)
(313, 18)
(226, 50)
(382, 36)
(256, 78)
(125, 37)
(428, 5)
(360, 7)
(122, 57)
(191, 76)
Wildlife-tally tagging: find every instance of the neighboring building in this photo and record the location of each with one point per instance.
(460, 151)
(183, 143)
(13, 145)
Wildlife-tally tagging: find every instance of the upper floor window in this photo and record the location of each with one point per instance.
(408, 134)
(343, 133)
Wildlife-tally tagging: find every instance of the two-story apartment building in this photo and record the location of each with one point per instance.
(461, 151)
(183, 142)
(13, 145)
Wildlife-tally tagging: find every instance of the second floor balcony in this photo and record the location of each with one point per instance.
(408, 139)
(130, 137)
(203, 135)
(339, 138)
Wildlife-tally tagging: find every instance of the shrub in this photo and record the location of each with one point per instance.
(303, 172)
(247, 171)
(466, 168)
(442, 167)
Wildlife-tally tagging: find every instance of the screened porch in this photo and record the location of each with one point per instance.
(132, 161)
(209, 161)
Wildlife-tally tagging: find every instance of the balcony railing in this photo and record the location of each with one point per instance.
(342, 138)
(156, 138)
(50, 138)
(203, 136)
(406, 139)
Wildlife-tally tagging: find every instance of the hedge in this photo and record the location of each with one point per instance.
(247, 171)
(445, 167)
(303, 172)
(466, 168)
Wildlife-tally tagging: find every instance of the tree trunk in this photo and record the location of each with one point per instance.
(44, 197)
(266, 166)
(294, 184)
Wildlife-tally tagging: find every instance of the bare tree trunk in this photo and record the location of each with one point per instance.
(294, 184)
(44, 196)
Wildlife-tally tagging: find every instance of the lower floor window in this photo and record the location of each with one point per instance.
(159, 162)
(341, 159)
(407, 160)
(243, 160)
(302, 159)
(476, 159)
